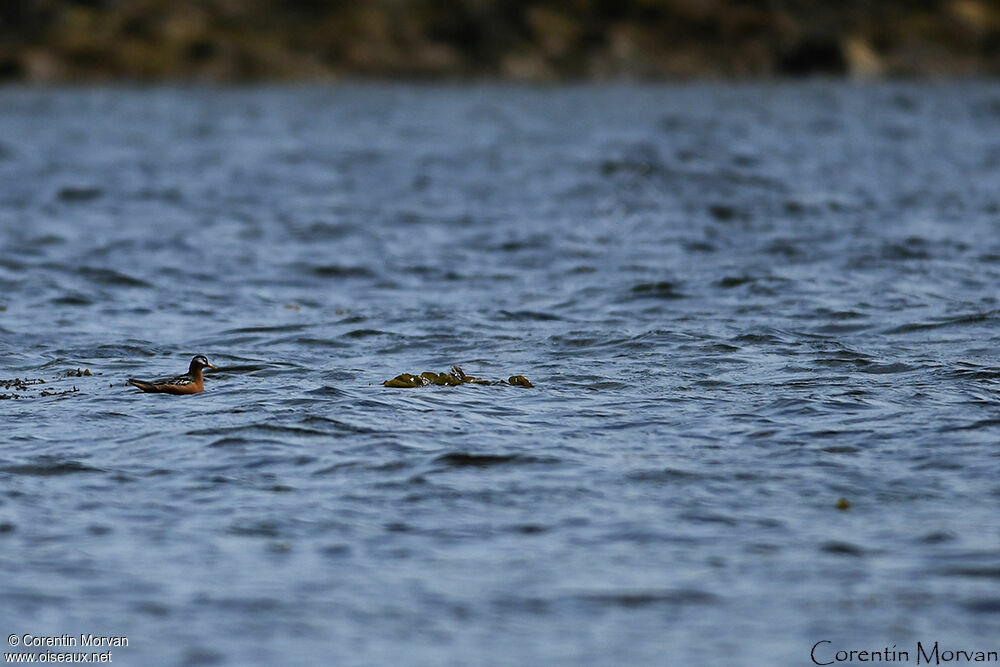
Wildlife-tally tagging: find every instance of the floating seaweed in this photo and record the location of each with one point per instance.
(60, 393)
(20, 385)
(17, 384)
(454, 377)
(24, 387)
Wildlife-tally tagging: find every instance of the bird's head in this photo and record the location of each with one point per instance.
(200, 361)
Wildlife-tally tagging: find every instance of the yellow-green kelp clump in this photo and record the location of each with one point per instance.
(450, 379)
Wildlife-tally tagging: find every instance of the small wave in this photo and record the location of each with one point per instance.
(246, 368)
(833, 449)
(258, 428)
(274, 329)
(973, 571)
(578, 339)
(339, 271)
(644, 598)
(910, 249)
(727, 212)
(983, 606)
(734, 281)
(527, 315)
(340, 467)
(528, 529)
(72, 299)
(325, 391)
(536, 242)
(466, 460)
(967, 371)
(839, 548)
(767, 337)
(230, 442)
(709, 517)
(169, 194)
(582, 269)
(432, 272)
(720, 348)
(47, 239)
(887, 368)
(336, 423)
(843, 360)
(310, 342)
(110, 277)
(322, 230)
(606, 385)
(700, 246)
(975, 426)
(79, 193)
(639, 159)
(833, 329)
(664, 476)
(366, 333)
(793, 406)
(115, 352)
(270, 529)
(961, 320)
(49, 467)
(663, 289)
(787, 248)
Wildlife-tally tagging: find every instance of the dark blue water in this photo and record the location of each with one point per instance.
(738, 305)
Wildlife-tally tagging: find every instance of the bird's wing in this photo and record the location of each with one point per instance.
(178, 381)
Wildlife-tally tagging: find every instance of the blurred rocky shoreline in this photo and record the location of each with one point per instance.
(250, 40)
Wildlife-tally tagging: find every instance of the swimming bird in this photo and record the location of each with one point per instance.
(191, 382)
